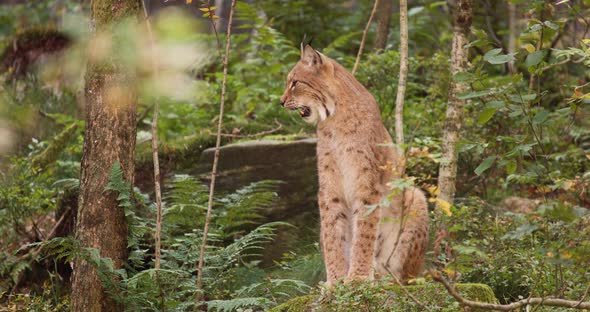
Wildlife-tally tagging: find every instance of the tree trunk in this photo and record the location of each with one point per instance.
(511, 34)
(109, 137)
(462, 14)
(403, 73)
(384, 13)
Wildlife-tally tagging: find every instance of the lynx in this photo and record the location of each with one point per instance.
(362, 236)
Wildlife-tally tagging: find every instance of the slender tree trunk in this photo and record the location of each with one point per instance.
(403, 72)
(511, 33)
(109, 138)
(462, 14)
(384, 13)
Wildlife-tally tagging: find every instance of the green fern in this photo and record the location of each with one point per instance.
(118, 184)
(237, 303)
(235, 244)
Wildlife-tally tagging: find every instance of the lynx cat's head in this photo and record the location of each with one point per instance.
(308, 86)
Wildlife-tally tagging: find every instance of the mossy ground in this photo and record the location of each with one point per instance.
(379, 297)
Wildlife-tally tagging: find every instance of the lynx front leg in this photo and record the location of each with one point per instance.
(335, 225)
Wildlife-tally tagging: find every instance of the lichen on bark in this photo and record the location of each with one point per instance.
(109, 12)
(462, 15)
(111, 101)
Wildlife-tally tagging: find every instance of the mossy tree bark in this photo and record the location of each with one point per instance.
(109, 137)
(462, 15)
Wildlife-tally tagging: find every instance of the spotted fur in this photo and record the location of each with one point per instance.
(356, 160)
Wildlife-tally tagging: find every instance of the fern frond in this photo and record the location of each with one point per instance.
(237, 303)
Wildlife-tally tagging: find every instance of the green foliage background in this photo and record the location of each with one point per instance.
(526, 133)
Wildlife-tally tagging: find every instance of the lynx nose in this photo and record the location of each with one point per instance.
(282, 102)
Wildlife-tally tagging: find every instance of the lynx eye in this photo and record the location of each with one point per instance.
(294, 83)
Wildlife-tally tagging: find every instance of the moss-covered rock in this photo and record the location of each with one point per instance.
(378, 297)
(291, 161)
(28, 46)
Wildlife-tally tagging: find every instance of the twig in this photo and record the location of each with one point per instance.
(409, 294)
(155, 157)
(36, 252)
(216, 157)
(253, 135)
(583, 296)
(360, 53)
(210, 16)
(403, 74)
(549, 302)
(158, 235)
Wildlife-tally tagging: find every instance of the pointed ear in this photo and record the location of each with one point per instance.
(309, 56)
(303, 44)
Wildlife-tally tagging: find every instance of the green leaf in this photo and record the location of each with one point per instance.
(535, 28)
(485, 165)
(436, 4)
(522, 98)
(491, 53)
(501, 59)
(475, 94)
(463, 77)
(511, 167)
(476, 43)
(415, 10)
(370, 210)
(535, 58)
(486, 115)
(529, 97)
(551, 25)
(540, 117)
(495, 104)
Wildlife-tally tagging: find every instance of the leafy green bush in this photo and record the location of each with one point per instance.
(542, 253)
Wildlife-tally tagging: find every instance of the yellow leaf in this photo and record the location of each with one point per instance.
(432, 199)
(529, 48)
(204, 9)
(588, 156)
(433, 190)
(550, 254)
(189, 1)
(567, 184)
(566, 255)
(450, 272)
(543, 189)
(444, 206)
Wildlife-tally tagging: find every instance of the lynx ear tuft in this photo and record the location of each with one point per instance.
(304, 44)
(311, 57)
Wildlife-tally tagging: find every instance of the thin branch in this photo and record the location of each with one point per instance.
(33, 254)
(548, 302)
(360, 53)
(403, 74)
(254, 135)
(583, 296)
(216, 157)
(156, 159)
(409, 294)
(210, 16)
